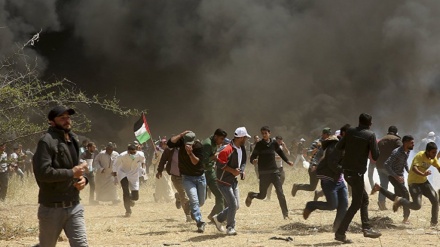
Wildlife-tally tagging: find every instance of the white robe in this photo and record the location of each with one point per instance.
(104, 180)
(127, 167)
(164, 188)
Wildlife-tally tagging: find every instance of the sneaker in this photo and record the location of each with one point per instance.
(433, 225)
(375, 189)
(286, 217)
(201, 227)
(396, 203)
(231, 231)
(306, 213)
(294, 190)
(370, 233)
(127, 215)
(342, 238)
(189, 218)
(406, 221)
(178, 205)
(218, 224)
(248, 201)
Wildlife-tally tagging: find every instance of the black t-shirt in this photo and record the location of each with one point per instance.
(265, 151)
(186, 167)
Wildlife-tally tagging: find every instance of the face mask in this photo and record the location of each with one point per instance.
(132, 156)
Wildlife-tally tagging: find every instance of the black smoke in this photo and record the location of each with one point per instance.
(297, 66)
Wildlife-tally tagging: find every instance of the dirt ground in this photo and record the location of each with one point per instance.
(161, 224)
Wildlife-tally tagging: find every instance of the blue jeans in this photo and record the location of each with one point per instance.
(337, 198)
(53, 220)
(232, 198)
(195, 188)
(384, 181)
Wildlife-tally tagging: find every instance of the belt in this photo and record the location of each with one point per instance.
(60, 204)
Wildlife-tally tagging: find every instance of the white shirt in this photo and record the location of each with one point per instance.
(239, 153)
(105, 161)
(126, 166)
(3, 163)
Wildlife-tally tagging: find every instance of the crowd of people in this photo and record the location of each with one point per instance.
(186, 167)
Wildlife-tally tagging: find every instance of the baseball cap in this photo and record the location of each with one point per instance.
(338, 132)
(111, 145)
(241, 131)
(327, 130)
(431, 134)
(392, 129)
(59, 110)
(189, 138)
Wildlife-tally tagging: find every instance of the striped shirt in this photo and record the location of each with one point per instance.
(397, 162)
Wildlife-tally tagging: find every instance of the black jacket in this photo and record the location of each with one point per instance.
(386, 146)
(186, 167)
(329, 166)
(358, 143)
(229, 157)
(53, 165)
(166, 159)
(265, 152)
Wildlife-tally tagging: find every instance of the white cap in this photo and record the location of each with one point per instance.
(338, 132)
(302, 140)
(431, 134)
(241, 131)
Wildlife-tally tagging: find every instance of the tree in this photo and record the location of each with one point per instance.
(25, 98)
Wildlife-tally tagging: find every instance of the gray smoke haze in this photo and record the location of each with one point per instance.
(297, 66)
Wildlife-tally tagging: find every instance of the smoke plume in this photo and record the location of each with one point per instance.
(297, 66)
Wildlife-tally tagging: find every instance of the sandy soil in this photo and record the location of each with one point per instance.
(161, 224)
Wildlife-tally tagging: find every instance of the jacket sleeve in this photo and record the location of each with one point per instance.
(243, 160)
(42, 164)
(207, 153)
(280, 152)
(374, 148)
(163, 159)
(255, 153)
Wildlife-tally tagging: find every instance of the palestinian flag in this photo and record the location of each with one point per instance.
(141, 130)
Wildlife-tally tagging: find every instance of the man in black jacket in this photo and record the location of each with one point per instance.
(332, 183)
(60, 177)
(267, 168)
(357, 143)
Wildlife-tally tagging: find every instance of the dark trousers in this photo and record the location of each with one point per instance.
(399, 190)
(4, 180)
(416, 191)
(384, 181)
(283, 178)
(337, 198)
(91, 180)
(359, 201)
(313, 181)
(128, 197)
(211, 182)
(275, 179)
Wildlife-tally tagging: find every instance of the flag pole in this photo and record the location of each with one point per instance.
(149, 132)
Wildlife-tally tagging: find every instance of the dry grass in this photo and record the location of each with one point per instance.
(161, 224)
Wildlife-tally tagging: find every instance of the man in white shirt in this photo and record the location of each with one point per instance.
(126, 169)
(16, 161)
(4, 176)
(105, 181)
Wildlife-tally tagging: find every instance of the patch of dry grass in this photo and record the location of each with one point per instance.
(161, 224)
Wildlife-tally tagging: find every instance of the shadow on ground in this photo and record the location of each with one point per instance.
(301, 229)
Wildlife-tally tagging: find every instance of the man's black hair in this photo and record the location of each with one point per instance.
(345, 128)
(365, 119)
(407, 138)
(220, 132)
(265, 128)
(430, 146)
(278, 137)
